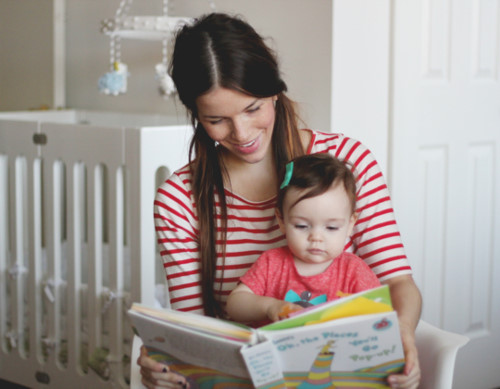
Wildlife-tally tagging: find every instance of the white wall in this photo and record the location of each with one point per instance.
(25, 54)
(299, 30)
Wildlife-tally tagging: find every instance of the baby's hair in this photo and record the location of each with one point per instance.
(318, 172)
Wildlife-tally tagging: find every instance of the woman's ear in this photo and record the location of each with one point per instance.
(281, 222)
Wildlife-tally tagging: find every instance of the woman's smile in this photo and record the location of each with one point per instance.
(249, 147)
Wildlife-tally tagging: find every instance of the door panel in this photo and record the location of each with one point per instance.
(445, 169)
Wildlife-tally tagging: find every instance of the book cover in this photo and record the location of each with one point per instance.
(350, 342)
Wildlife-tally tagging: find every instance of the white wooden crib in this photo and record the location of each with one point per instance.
(77, 240)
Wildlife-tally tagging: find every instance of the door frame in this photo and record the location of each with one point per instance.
(361, 74)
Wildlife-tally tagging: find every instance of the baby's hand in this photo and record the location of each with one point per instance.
(281, 310)
(287, 309)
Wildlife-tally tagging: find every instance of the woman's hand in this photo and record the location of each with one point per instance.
(407, 302)
(158, 375)
(411, 373)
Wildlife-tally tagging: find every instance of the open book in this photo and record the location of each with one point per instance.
(350, 342)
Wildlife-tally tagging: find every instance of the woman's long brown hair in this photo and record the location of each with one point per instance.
(224, 51)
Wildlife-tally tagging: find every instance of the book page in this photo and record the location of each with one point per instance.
(190, 346)
(351, 344)
(326, 311)
(209, 325)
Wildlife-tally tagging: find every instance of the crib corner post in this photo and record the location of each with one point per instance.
(141, 196)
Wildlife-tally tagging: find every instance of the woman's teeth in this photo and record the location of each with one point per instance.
(247, 144)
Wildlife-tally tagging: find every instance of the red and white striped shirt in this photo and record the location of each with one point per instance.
(253, 228)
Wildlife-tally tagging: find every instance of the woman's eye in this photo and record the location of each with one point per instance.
(213, 122)
(252, 110)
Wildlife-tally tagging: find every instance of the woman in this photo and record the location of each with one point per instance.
(215, 216)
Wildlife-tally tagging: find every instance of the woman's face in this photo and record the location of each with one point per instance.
(242, 124)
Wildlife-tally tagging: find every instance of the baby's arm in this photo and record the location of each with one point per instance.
(244, 306)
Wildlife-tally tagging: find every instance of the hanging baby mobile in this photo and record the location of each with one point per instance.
(123, 26)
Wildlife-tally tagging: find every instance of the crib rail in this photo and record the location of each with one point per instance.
(75, 201)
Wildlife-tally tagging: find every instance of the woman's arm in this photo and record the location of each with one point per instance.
(376, 239)
(244, 306)
(407, 302)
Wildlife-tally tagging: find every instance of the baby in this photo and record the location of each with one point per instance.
(316, 211)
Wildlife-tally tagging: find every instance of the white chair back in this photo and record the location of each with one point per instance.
(437, 351)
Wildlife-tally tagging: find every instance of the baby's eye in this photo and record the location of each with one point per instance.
(332, 228)
(300, 226)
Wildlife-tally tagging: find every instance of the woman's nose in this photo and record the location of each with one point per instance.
(240, 129)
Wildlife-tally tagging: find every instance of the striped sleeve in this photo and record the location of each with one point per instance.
(176, 231)
(375, 238)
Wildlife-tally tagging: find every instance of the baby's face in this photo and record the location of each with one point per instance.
(317, 228)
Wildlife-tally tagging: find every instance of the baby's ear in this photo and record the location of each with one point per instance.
(352, 222)
(281, 223)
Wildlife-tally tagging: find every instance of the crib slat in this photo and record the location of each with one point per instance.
(35, 275)
(94, 291)
(17, 270)
(53, 231)
(75, 187)
(141, 242)
(4, 244)
(116, 243)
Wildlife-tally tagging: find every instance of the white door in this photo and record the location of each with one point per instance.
(445, 169)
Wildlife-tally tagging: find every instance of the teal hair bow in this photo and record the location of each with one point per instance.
(288, 175)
